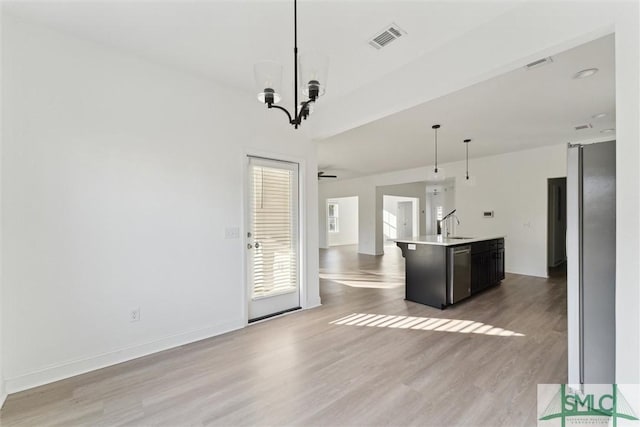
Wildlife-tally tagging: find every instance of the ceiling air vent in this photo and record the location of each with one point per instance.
(581, 127)
(386, 36)
(539, 63)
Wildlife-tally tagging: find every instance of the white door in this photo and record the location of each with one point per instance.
(405, 219)
(272, 238)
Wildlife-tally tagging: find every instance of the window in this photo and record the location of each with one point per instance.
(273, 210)
(333, 218)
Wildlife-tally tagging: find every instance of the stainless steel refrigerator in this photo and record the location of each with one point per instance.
(591, 262)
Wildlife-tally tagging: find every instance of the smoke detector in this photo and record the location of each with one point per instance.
(390, 33)
(585, 73)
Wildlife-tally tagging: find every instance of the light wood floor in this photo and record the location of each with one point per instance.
(300, 369)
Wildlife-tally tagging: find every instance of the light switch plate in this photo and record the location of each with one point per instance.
(232, 233)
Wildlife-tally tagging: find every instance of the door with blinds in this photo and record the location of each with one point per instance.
(272, 238)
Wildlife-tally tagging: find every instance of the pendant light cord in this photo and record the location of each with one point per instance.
(467, 144)
(435, 129)
(436, 169)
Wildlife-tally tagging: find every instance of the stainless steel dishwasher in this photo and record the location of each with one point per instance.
(459, 273)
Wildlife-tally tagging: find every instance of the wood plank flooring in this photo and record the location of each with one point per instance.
(300, 369)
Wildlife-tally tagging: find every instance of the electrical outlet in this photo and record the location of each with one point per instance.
(134, 315)
(232, 233)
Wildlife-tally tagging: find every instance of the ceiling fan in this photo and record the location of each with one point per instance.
(322, 174)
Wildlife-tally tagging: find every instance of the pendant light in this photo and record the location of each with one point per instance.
(471, 181)
(313, 75)
(466, 143)
(437, 174)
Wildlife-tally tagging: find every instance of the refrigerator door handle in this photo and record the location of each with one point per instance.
(581, 266)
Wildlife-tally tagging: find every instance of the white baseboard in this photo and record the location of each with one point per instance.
(371, 253)
(81, 366)
(3, 398)
(529, 273)
(313, 303)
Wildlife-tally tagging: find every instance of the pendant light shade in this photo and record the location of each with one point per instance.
(268, 80)
(438, 173)
(437, 176)
(471, 182)
(313, 68)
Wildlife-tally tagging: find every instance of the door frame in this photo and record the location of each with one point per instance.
(302, 221)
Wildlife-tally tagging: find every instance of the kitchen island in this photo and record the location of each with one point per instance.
(441, 271)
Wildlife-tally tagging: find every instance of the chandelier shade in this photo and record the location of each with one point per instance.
(268, 81)
(313, 68)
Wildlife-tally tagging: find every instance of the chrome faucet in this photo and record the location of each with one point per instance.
(444, 224)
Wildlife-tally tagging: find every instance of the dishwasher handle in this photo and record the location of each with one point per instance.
(462, 250)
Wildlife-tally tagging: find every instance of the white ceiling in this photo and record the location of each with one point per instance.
(518, 110)
(222, 40)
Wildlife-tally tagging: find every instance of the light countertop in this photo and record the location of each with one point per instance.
(442, 241)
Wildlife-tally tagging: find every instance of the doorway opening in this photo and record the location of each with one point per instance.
(557, 227)
(392, 223)
(342, 221)
(441, 198)
(400, 217)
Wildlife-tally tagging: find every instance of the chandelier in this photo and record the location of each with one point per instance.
(312, 69)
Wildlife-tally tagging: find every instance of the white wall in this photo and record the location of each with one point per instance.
(627, 27)
(3, 394)
(514, 185)
(347, 222)
(119, 177)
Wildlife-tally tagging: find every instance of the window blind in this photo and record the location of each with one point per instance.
(274, 230)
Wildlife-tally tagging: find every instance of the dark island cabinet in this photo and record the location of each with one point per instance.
(500, 260)
(478, 276)
(487, 264)
(430, 269)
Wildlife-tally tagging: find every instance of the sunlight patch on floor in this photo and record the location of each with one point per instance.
(424, 324)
